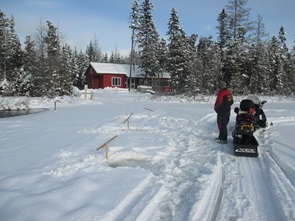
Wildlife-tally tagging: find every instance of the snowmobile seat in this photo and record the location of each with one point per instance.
(246, 104)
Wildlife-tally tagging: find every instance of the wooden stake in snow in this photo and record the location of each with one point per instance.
(106, 145)
(149, 109)
(127, 120)
(85, 88)
(55, 101)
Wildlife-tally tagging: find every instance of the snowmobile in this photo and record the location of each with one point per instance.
(250, 117)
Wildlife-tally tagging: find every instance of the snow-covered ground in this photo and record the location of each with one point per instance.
(166, 166)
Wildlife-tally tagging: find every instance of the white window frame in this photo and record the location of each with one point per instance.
(116, 81)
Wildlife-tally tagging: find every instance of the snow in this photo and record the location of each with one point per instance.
(109, 68)
(166, 166)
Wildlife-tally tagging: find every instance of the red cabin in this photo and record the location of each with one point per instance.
(102, 75)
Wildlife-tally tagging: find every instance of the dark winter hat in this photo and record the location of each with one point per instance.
(221, 84)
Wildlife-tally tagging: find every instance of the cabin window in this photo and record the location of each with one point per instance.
(116, 81)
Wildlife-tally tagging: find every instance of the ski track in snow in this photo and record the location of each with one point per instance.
(190, 178)
(264, 188)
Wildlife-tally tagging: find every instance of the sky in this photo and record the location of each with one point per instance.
(107, 21)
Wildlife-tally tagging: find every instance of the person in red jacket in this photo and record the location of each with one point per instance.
(222, 107)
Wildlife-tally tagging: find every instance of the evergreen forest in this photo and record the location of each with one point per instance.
(243, 55)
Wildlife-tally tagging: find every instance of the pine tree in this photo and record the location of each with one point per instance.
(148, 40)
(235, 69)
(4, 24)
(13, 75)
(82, 66)
(258, 60)
(90, 52)
(30, 62)
(116, 58)
(74, 68)
(177, 54)
(30, 56)
(210, 60)
(162, 58)
(39, 86)
(195, 67)
(65, 79)
(105, 58)
(162, 55)
(135, 27)
(276, 67)
(287, 74)
(51, 81)
(238, 19)
(223, 33)
(283, 39)
(93, 52)
(135, 18)
(14, 60)
(192, 66)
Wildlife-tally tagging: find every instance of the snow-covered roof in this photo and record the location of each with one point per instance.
(108, 68)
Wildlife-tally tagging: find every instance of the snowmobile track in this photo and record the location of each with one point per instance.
(267, 176)
(283, 166)
(285, 189)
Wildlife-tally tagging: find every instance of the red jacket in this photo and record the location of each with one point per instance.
(223, 102)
